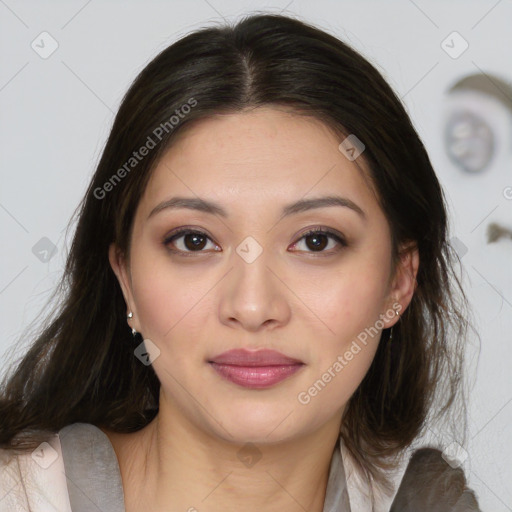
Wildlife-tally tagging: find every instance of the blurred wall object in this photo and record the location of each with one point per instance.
(472, 132)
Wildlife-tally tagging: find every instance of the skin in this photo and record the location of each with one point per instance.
(306, 304)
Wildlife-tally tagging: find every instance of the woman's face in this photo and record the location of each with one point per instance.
(252, 280)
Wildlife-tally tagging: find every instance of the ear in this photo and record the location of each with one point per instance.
(122, 272)
(404, 282)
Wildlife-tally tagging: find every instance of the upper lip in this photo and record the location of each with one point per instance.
(263, 357)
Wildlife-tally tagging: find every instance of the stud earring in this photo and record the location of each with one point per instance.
(128, 316)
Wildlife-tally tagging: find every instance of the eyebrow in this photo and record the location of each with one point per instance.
(299, 206)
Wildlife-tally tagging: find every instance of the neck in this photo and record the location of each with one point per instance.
(172, 465)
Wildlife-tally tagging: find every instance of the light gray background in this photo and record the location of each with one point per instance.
(56, 114)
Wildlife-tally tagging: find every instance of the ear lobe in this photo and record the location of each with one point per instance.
(404, 283)
(119, 266)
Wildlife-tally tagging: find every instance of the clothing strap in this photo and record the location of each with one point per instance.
(92, 472)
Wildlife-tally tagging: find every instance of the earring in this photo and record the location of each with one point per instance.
(391, 330)
(128, 316)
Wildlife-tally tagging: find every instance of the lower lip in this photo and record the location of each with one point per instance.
(255, 377)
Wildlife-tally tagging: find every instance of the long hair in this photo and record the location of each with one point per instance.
(81, 366)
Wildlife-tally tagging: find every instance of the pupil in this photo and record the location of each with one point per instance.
(195, 237)
(318, 244)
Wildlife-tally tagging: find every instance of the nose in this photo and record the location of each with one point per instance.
(253, 296)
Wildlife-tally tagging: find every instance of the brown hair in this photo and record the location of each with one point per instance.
(81, 367)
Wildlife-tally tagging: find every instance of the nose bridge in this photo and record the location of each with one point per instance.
(251, 275)
(252, 294)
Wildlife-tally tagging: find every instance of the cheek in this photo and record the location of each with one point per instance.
(350, 373)
(343, 359)
(166, 297)
(347, 300)
(348, 304)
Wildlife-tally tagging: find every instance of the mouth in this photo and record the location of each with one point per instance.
(255, 369)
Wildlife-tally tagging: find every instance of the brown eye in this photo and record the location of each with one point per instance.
(187, 241)
(317, 240)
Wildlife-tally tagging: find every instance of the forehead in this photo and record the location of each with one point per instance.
(266, 155)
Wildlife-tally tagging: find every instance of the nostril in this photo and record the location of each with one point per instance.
(495, 232)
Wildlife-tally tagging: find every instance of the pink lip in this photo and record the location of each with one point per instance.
(255, 369)
(263, 357)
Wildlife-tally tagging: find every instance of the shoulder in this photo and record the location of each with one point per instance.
(434, 483)
(33, 480)
(12, 495)
(422, 480)
(36, 480)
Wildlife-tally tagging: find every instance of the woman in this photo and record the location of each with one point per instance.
(258, 306)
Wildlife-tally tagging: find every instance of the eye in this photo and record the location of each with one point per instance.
(317, 239)
(187, 241)
(193, 241)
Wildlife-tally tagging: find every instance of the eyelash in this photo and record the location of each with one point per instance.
(314, 231)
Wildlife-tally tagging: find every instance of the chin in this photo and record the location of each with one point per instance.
(262, 424)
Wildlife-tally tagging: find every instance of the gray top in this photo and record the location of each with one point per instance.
(92, 471)
(94, 478)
